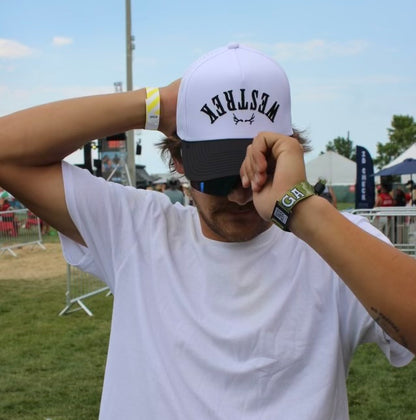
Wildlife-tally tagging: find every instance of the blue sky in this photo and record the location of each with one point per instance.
(351, 64)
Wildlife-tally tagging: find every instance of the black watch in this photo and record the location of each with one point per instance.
(283, 207)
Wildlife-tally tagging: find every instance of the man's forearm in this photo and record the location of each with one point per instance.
(46, 134)
(383, 278)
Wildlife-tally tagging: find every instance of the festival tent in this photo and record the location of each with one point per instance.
(408, 166)
(334, 168)
(410, 153)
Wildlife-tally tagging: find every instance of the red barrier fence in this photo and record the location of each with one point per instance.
(19, 228)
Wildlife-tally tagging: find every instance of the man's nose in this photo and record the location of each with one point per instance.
(240, 195)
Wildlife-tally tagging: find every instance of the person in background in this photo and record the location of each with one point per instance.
(6, 211)
(411, 188)
(44, 227)
(399, 221)
(384, 198)
(4, 201)
(159, 186)
(186, 189)
(326, 191)
(173, 191)
(399, 197)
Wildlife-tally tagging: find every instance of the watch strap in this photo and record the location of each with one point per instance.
(284, 206)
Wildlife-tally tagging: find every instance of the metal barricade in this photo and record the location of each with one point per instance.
(80, 286)
(19, 228)
(397, 223)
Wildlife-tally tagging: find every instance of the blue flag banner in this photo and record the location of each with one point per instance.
(364, 187)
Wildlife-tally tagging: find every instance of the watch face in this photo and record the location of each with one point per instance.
(280, 216)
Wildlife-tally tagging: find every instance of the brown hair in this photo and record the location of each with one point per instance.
(170, 148)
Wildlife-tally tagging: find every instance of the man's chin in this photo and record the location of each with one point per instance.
(231, 223)
(242, 231)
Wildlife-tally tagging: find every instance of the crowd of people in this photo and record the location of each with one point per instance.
(388, 197)
(178, 191)
(8, 203)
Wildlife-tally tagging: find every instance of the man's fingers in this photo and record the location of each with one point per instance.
(254, 169)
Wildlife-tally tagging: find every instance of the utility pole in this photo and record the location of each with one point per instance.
(131, 149)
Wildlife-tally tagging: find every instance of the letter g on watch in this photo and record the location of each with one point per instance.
(283, 208)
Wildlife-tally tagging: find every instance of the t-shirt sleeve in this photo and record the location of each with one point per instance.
(112, 219)
(358, 327)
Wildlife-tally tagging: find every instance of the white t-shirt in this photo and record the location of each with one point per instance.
(202, 329)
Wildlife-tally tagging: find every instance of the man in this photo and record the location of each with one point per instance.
(173, 191)
(410, 186)
(384, 198)
(218, 314)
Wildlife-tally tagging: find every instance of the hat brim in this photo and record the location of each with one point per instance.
(210, 159)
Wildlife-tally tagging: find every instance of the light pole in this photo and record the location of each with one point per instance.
(131, 150)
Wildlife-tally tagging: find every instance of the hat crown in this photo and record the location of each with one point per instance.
(233, 92)
(225, 99)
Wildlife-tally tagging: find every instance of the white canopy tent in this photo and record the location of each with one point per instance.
(334, 168)
(409, 153)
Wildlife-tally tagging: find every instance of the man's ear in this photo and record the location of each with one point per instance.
(178, 166)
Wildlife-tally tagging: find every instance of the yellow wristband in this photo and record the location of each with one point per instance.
(152, 109)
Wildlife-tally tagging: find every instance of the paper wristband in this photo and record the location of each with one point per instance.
(152, 109)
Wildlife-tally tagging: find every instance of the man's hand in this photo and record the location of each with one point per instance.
(273, 164)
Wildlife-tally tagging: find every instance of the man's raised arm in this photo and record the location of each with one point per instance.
(34, 141)
(380, 276)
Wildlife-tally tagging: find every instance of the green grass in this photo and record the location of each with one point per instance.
(378, 391)
(345, 206)
(51, 237)
(52, 367)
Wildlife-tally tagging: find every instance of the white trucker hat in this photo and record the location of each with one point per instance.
(225, 99)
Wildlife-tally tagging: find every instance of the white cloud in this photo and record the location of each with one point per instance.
(313, 49)
(13, 49)
(59, 41)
